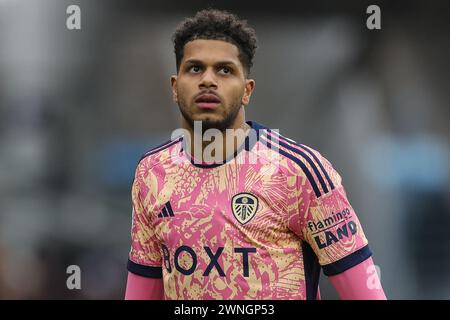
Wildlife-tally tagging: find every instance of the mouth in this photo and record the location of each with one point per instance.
(207, 101)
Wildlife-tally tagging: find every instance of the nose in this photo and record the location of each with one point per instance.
(208, 80)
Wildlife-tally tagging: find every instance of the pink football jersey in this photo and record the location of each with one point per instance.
(262, 225)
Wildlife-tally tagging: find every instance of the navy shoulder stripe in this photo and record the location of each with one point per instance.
(154, 150)
(161, 147)
(303, 155)
(297, 161)
(308, 150)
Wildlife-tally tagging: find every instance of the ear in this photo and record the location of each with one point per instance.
(249, 87)
(173, 82)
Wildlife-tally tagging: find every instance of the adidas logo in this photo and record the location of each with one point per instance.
(166, 211)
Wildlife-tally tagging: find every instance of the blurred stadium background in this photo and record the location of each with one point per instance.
(78, 108)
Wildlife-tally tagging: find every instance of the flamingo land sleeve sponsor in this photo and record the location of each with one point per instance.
(333, 228)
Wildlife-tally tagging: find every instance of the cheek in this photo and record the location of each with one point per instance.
(235, 92)
(184, 89)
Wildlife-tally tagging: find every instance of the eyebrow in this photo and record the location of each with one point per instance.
(223, 62)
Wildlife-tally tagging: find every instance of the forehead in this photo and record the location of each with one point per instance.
(210, 51)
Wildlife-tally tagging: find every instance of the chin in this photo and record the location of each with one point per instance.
(209, 118)
(209, 122)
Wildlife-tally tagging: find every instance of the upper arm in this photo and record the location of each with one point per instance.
(361, 282)
(142, 288)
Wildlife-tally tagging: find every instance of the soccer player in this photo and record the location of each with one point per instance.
(258, 222)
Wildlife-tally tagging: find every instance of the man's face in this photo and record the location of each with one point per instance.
(211, 85)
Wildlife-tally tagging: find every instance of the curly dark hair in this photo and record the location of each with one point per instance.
(213, 24)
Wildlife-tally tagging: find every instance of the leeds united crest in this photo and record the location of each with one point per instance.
(244, 207)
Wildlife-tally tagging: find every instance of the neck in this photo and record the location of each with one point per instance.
(210, 148)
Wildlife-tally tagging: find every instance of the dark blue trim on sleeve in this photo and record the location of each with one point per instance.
(145, 271)
(348, 262)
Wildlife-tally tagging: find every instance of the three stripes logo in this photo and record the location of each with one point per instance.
(166, 211)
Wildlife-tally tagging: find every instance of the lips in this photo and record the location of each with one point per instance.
(207, 101)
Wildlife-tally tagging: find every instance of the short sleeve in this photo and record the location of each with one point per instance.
(329, 224)
(145, 256)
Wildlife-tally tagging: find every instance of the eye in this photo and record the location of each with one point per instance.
(225, 70)
(194, 69)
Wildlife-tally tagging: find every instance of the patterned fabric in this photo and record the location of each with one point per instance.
(260, 226)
